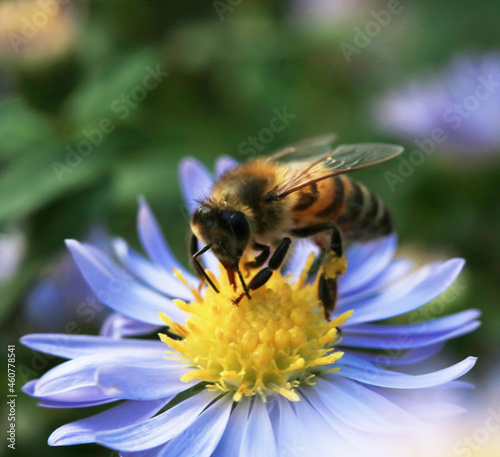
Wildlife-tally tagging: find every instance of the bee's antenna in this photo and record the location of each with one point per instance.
(197, 264)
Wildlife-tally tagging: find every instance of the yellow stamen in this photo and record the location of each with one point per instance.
(267, 345)
(195, 293)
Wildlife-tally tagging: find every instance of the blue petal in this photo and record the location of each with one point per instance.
(446, 323)
(120, 291)
(125, 414)
(71, 346)
(149, 273)
(155, 245)
(359, 441)
(365, 261)
(395, 271)
(394, 358)
(118, 326)
(29, 387)
(203, 435)
(412, 335)
(159, 429)
(316, 429)
(77, 398)
(259, 436)
(430, 410)
(434, 411)
(408, 294)
(359, 407)
(223, 164)
(145, 383)
(360, 370)
(45, 403)
(456, 385)
(291, 439)
(301, 251)
(196, 182)
(230, 443)
(80, 372)
(153, 452)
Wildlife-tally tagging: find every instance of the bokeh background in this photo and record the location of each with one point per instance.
(100, 100)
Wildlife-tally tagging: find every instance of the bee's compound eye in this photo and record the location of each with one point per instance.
(237, 223)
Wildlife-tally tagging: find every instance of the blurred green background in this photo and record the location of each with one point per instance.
(78, 81)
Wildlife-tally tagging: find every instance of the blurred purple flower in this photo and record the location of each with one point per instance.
(62, 299)
(460, 105)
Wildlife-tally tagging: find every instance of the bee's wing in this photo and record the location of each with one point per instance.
(343, 159)
(308, 149)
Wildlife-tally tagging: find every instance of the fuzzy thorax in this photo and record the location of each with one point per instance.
(270, 344)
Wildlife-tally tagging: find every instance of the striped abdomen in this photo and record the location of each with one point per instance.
(359, 213)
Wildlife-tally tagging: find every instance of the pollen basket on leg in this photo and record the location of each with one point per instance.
(269, 344)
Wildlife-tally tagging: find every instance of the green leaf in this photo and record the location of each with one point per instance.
(27, 183)
(101, 97)
(21, 130)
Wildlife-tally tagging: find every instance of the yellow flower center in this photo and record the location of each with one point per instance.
(269, 344)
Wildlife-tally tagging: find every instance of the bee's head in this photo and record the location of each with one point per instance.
(226, 231)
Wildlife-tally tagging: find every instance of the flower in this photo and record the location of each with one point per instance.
(268, 377)
(462, 103)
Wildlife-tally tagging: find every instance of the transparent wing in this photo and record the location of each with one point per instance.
(350, 157)
(343, 159)
(308, 149)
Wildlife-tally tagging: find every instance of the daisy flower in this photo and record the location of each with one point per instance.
(269, 377)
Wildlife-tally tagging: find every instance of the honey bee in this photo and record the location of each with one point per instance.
(300, 191)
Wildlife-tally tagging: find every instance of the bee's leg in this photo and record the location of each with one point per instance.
(334, 263)
(274, 263)
(197, 265)
(261, 258)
